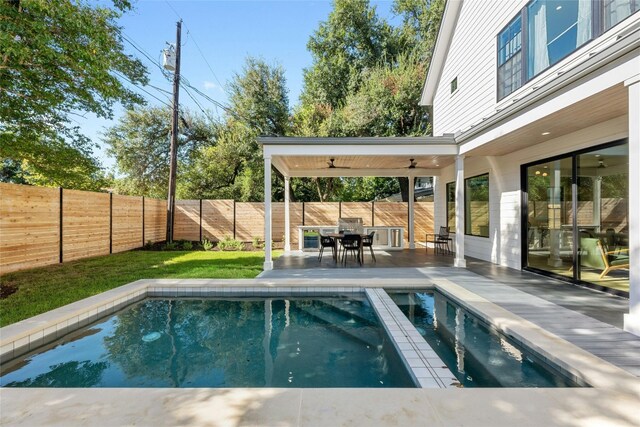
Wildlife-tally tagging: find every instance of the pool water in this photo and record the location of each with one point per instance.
(319, 342)
(477, 355)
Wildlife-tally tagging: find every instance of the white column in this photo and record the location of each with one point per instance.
(632, 320)
(459, 243)
(268, 262)
(412, 243)
(287, 223)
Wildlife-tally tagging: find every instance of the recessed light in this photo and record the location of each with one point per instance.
(597, 155)
(437, 165)
(297, 165)
(368, 165)
(546, 133)
(559, 7)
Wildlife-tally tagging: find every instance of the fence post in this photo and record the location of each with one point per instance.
(143, 242)
(234, 219)
(61, 219)
(339, 210)
(110, 222)
(200, 220)
(303, 214)
(373, 213)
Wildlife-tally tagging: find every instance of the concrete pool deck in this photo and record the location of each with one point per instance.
(613, 399)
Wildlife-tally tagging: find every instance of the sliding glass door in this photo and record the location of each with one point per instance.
(549, 234)
(577, 216)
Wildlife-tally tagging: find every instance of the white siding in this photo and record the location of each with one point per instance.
(472, 59)
(503, 245)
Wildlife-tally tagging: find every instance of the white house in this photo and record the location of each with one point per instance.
(543, 99)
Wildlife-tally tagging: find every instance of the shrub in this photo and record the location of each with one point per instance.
(229, 244)
(148, 245)
(170, 246)
(257, 243)
(187, 245)
(207, 245)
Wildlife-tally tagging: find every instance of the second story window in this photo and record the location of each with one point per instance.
(510, 58)
(556, 28)
(546, 31)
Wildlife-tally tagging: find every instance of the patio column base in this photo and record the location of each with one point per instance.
(268, 266)
(632, 323)
(460, 262)
(287, 249)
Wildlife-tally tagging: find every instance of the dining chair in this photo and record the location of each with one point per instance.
(351, 243)
(367, 242)
(326, 242)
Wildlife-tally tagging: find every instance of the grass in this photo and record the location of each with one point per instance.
(42, 289)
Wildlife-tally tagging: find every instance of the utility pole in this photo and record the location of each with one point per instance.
(173, 159)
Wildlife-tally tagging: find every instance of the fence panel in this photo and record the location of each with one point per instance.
(389, 214)
(155, 220)
(317, 213)
(85, 224)
(423, 220)
(29, 227)
(250, 221)
(186, 223)
(217, 219)
(357, 210)
(126, 223)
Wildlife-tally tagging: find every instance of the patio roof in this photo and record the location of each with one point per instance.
(356, 157)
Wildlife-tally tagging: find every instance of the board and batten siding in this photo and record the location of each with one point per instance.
(504, 243)
(472, 59)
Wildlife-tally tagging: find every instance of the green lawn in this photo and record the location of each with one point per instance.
(43, 289)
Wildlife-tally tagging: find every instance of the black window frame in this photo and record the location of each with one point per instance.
(598, 29)
(466, 211)
(446, 201)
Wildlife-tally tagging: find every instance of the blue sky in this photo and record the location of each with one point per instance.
(226, 32)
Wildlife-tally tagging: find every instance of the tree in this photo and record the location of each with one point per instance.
(353, 39)
(60, 59)
(140, 144)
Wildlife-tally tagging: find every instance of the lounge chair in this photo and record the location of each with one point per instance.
(594, 255)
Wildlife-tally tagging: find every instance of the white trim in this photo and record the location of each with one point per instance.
(287, 216)
(441, 49)
(459, 260)
(338, 172)
(268, 261)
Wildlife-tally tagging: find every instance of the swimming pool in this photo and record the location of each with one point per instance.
(222, 342)
(477, 355)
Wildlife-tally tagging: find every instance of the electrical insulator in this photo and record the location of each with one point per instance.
(169, 58)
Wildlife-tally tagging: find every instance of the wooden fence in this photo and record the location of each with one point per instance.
(42, 226)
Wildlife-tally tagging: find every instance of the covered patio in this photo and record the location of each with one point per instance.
(409, 157)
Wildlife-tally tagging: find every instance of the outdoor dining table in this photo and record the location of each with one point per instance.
(339, 236)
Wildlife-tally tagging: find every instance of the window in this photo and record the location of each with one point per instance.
(451, 206)
(546, 31)
(476, 206)
(556, 28)
(510, 58)
(617, 10)
(454, 85)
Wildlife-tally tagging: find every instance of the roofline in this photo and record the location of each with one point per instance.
(443, 42)
(394, 140)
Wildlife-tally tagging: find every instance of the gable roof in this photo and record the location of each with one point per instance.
(445, 34)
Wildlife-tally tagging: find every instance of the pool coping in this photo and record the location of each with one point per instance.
(24, 336)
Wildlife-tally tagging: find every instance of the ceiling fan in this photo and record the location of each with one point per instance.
(331, 165)
(601, 164)
(412, 164)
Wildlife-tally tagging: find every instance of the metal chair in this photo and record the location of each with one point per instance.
(326, 242)
(351, 243)
(367, 242)
(440, 241)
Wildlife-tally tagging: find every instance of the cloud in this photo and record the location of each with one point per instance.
(211, 86)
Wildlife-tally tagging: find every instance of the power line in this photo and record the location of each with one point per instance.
(142, 89)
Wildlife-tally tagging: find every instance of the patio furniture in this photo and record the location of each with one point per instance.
(440, 241)
(351, 243)
(367, 242)
(326, 242)
(594, 255)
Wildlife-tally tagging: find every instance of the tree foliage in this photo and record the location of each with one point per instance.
(140, 143)
(60, 59)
